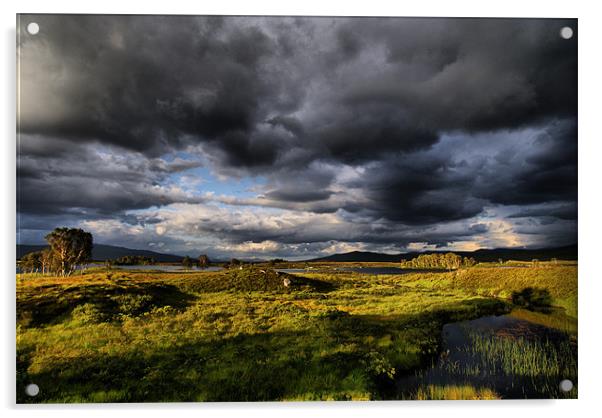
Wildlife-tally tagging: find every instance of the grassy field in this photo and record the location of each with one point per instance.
(242, 335)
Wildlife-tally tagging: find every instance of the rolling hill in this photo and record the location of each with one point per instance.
(101, 252)
(562, 253)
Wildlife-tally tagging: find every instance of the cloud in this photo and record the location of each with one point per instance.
(564, 211)
(248, 232)
(93, 180)
(371, 131)
(154, 83)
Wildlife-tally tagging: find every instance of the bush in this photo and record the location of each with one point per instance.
(87, 314)
(133, 305)
(531, 297)
(134, 260)
(378, 365)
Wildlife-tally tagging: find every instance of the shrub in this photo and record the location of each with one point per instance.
(133, 260)
(531, 297)
(87, 314)
(378, 365)
(129, 304)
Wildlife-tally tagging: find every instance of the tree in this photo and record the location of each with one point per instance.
(47, 261)
(203, 261)
(69, 247)
(448, 261)
(108, 264)
(41, 261)
(468, 262)
(30, 262)
(452, 261)
(187, 262)
(133, 260)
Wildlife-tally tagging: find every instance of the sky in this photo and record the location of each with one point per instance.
(298, 137)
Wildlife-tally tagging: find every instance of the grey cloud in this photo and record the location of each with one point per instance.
(96, 183)
(567, 211)
(108, 101)
(152, 83)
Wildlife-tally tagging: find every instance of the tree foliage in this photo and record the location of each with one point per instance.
(134, 260)
(69, 247)
(204, 261)
(449, 261)
(187, 262)
(532, 297)
(30, 262)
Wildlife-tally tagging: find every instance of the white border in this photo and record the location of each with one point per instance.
(589, 198)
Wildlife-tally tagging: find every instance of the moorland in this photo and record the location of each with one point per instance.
(256, 332)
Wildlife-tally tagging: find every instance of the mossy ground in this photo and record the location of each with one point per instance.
(241, 335)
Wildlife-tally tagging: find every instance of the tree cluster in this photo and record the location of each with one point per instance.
(38, 262)
(67, 249)
(531, 297)
(134, 260)
(449, 261)
(202, 262)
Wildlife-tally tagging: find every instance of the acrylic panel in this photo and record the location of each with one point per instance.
(264, 208)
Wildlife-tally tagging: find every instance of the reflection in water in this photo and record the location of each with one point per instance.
(363, 270)
(161, 267)
(509, 355)
(376, 270)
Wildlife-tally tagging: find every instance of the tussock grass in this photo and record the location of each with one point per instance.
(522, 357)
(560, 281)
(454, 392)
(235, 335)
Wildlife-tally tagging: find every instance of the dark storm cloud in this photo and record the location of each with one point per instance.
(297, 195)
(479, 228)
(283, 98)
(562, 211)
(303, 185)
(421, 189)
(144, 83)
(546, 172)
(149, 82)
(458, 178)
(474, 74)
(93, 182)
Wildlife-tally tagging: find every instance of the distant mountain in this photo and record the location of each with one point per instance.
(562, 253)
(102, 252)
(361, 256)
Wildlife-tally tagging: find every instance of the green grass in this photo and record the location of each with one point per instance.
(522, 357)
(454, 392)
(538, 365)
(242, 335)
(560, 281)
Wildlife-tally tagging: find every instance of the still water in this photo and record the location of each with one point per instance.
(363, 270)
(159, 267)
(520, 355)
